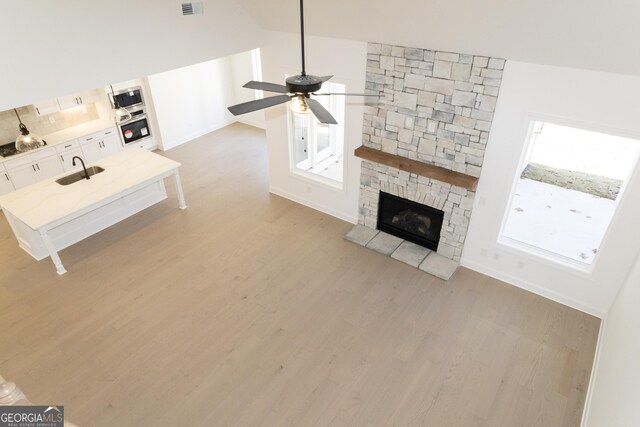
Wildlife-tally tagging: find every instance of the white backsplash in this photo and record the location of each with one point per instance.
(46, 124)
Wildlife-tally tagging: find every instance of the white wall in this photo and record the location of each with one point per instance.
(73, 45)
(614, 392)
(600, 101)
(346, 60)
(192, 101)
(242, 67)
(590, 34)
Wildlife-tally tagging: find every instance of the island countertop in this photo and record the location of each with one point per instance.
(47, 202)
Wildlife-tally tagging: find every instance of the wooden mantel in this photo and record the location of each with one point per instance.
(413, 166)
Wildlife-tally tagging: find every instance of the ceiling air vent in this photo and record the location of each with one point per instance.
(193, 8)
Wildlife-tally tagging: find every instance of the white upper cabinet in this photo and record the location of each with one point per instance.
(75, 99)
(46, 107)
(64, 102)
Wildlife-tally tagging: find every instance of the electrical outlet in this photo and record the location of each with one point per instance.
(496, 256)
(52, 119)
(431, 127)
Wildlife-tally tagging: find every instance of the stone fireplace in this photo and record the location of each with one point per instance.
(424, 140)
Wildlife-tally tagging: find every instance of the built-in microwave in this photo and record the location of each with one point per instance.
(129, 98)
(135, 129)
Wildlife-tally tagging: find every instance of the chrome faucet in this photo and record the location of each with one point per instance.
(73, 163)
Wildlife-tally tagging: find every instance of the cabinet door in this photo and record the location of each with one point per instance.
(89, 96)
(92, 151)
(46, 107)
(48, 167)
(67, 156)
(111, 146)
(6, 186)
(70, 101)
(23, 175)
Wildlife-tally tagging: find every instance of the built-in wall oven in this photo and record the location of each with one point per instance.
(135, 129)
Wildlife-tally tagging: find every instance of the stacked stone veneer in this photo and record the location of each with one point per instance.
(437, 108)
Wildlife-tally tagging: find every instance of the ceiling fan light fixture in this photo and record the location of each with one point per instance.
(299, 105)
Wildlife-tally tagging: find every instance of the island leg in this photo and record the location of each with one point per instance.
(181, 202)
(52, 252)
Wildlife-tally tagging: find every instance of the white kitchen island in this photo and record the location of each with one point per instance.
(47, 217)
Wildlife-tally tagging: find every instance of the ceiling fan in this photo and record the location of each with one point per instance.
(297, 89)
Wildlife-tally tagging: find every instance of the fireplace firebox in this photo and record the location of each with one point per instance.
(409, 220)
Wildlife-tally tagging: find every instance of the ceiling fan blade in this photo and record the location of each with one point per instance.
(325, 78)
(269, 87)
(320, 112)
(258, 104)
(346, 94)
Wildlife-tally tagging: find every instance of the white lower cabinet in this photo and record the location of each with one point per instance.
(100, 145)
(6, 186)
(32, 168)
(22, 175)
(66, 158)
(50, 161)
(67, 151)
(48, 167)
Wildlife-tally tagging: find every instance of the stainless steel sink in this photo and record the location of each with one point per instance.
(75, 177)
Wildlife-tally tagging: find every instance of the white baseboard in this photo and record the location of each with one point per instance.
(253, 123)
(531, 287)
(196, 134)
(313, 205)
(594, 372)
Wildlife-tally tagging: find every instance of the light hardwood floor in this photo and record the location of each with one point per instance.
(248, 309)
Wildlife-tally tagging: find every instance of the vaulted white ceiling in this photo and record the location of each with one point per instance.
(591, 34)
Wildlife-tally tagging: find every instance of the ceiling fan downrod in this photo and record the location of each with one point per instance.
(302, 36)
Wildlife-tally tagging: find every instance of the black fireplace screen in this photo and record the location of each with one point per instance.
(409, 220)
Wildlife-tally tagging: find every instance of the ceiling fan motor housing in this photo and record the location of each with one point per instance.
(304, 84)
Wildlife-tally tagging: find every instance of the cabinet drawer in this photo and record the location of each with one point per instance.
(42, 153)
(20, 161)
(108, 133)
(68, 145)
(89, 138)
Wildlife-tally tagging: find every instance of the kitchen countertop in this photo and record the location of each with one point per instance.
(46, 202)
(68, 134)
(77, 131)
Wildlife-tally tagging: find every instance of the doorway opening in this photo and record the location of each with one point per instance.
(569, 186)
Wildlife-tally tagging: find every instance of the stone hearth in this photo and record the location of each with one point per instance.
(403, 251)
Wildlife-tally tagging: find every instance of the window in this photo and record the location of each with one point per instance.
(317, 149)
(256, 71)
(570, 183)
